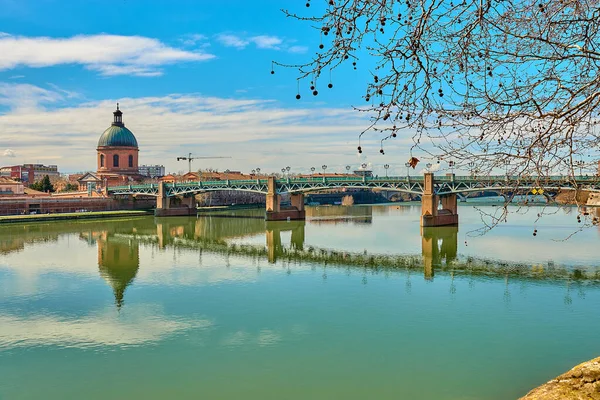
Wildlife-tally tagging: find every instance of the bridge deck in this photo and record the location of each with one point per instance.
(408, 184)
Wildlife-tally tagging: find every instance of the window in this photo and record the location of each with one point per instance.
(116, 160)
(101, 160)
(130, 161)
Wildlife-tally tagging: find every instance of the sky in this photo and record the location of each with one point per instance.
(191, 76)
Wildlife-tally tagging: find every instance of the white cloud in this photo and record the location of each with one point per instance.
(107, 54)
(24, 95)
(9, 153)
(254, 132)
(145, 325)
(241, 41)
(232, 41)
(298, 49)
(266, 42)
(194, 39)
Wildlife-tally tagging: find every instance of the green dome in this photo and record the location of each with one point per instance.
(117, 136)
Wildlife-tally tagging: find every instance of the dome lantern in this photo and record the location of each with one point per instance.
(118, 117)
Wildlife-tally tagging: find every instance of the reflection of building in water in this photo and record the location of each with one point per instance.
(438, 244)
(10, 244)
(118, 262)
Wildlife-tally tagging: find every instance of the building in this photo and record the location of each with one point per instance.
(117, 153)
(364, 172)
(152, 171)
(30, 173)
(10, 187)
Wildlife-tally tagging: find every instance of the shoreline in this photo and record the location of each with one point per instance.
(15, 219)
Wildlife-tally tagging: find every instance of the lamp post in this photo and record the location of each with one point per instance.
(283, 172)
(257, 171)
(312, 170)
(471, 165)
(386, 166)
(348, 169)
(253, 172)
(451, 165)
(288, 171)
(324, 168)
(580, 164)
(428, 165)
(407, 165)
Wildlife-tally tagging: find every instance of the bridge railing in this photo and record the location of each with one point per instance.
(359, 179)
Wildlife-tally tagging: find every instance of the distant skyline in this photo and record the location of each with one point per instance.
(191, 76)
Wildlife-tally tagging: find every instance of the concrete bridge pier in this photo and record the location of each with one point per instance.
(165, 206)
(431, 215)
(274, 211)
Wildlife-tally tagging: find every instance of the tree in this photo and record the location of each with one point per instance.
(490, 84)
(43, 186)
(71, 187)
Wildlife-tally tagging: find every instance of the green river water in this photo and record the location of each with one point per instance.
(355, 303)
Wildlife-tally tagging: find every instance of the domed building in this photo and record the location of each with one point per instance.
(117, 153)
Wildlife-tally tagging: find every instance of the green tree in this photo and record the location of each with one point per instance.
(43, 186)
(71, 187)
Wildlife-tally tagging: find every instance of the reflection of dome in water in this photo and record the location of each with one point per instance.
(118, 263)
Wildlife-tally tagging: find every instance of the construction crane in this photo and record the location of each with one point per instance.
(189, 159)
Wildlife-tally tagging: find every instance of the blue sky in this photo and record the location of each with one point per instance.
(191, 76)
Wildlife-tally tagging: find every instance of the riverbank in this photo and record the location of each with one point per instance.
(14, 219)
(580, 382)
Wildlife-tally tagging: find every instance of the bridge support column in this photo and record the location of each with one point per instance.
(164, 208)
(274, 211)
(430, 214)
(189, 202)
(297, 201)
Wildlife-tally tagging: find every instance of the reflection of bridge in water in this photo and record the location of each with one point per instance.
(118, 244)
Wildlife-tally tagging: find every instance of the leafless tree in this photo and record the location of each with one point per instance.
(511, 85)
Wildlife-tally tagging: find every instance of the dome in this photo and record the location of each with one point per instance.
(117, 136)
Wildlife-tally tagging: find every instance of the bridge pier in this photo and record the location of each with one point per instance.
(165, 208)
(274, 211)
(431, 215)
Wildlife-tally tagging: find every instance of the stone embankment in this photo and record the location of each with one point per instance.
(581, 382)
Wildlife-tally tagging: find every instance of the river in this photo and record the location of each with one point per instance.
(355, 303)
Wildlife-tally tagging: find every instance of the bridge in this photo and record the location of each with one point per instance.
(438, 193)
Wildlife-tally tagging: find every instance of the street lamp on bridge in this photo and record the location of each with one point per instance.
(348, 169)
(407, 165)
(324, 168)
(451, 164)
(312, 170)
(386, 166)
